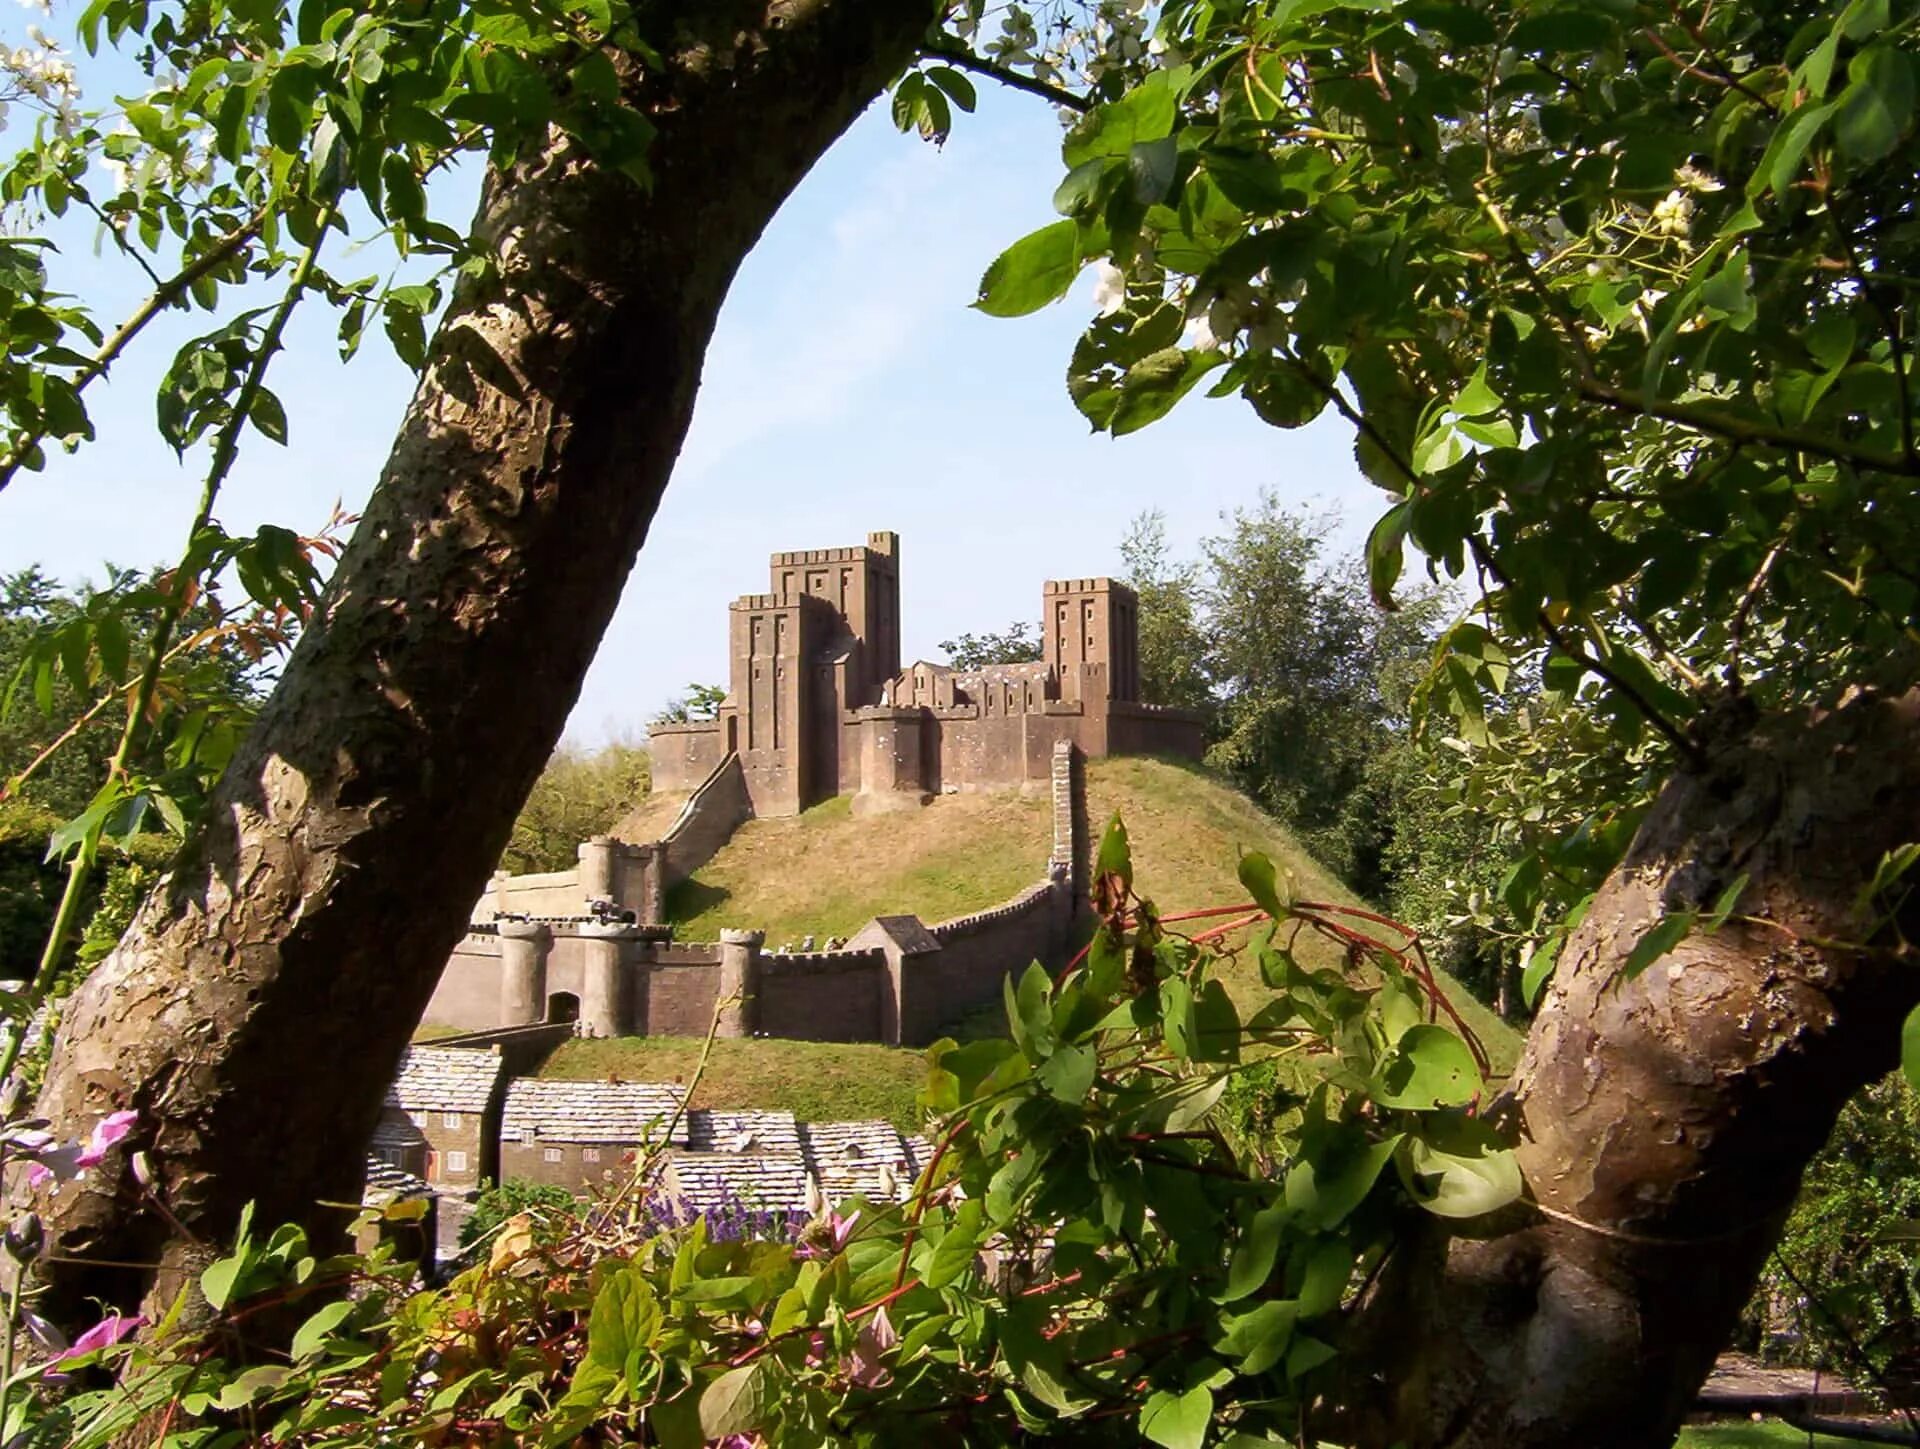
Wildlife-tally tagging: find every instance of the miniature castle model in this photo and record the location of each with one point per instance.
(819, 705)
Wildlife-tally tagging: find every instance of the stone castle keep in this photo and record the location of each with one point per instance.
(819, 705)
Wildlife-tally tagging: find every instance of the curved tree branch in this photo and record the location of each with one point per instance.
(958, 56)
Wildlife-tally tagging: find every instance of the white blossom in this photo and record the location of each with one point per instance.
(1692, 178)
(1673, 214)
(1109, 288)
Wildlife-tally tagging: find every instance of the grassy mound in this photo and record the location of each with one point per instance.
(826, 873)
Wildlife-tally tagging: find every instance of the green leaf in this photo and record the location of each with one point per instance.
(1259, 1336)
(1666, 933)
(955, 1252)
(1386, 550)
(1068, 1073)
(1258, 876)
(1326, 1190)
(217, 1283)
(1145, 113)
(1193, 1100)
(1155, 383)
(1723, 908)
(269, 416)
(1032, 272)
(1457, 1167)
(312, 1335)
(1115, 856)
(1178, 1421)
(1431, 1067)
(736, 1402)
(1877, 107)
(1538, 968)
(1176, 1017)
(1029, 1011)
(1910, 1048)
(1152, 165)
(1254, 1257)
(956, 85)
(1779, 166)
(1476, 399)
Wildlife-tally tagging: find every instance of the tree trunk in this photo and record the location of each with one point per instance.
(1665, 1121)
(256, 1010)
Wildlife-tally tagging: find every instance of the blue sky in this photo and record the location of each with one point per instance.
(849, 388)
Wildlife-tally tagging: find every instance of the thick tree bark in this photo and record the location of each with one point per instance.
(1665, 1121)
(255, 1012)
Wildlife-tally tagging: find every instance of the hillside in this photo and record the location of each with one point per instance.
(826, 873)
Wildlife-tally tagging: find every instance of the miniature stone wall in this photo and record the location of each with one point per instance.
(629, 874)
(898, 981)
(707, 821)
(822, 995)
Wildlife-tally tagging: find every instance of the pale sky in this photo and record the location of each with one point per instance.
(849, 388)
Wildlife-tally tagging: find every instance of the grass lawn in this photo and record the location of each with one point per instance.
(1770, 1434)
(816, 1081)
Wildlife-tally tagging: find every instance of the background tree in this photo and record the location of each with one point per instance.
(1173, 645)
(1305, 685)
(699, 701)
(635, 155)
(1618, 305)
(1018, 643)
(581, 793)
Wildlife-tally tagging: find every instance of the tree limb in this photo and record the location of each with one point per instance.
(955, 54)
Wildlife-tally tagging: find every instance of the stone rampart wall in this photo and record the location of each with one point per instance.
(707, 821)
(680, 997)
(977, 951)
(823, 995)
(682, 755)
(549, 893)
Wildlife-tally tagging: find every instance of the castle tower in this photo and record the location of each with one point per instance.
(773, 640)
(1091, 638)
(861, 586)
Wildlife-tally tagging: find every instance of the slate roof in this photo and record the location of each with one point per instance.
(445, 1079)
(623, 1112)
(740, 1133)
(386, 1182)
(765, 1160)
(909, 933)
(771, 1182)
(867, 1159)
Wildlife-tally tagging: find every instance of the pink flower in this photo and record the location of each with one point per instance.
(54, 1162)
(64, 1163)
(829, 1237)
(843, 1228)
(104, 1334)
(106, 1132)
(876, 1336)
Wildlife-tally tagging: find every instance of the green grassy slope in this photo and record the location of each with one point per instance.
(826, 873)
